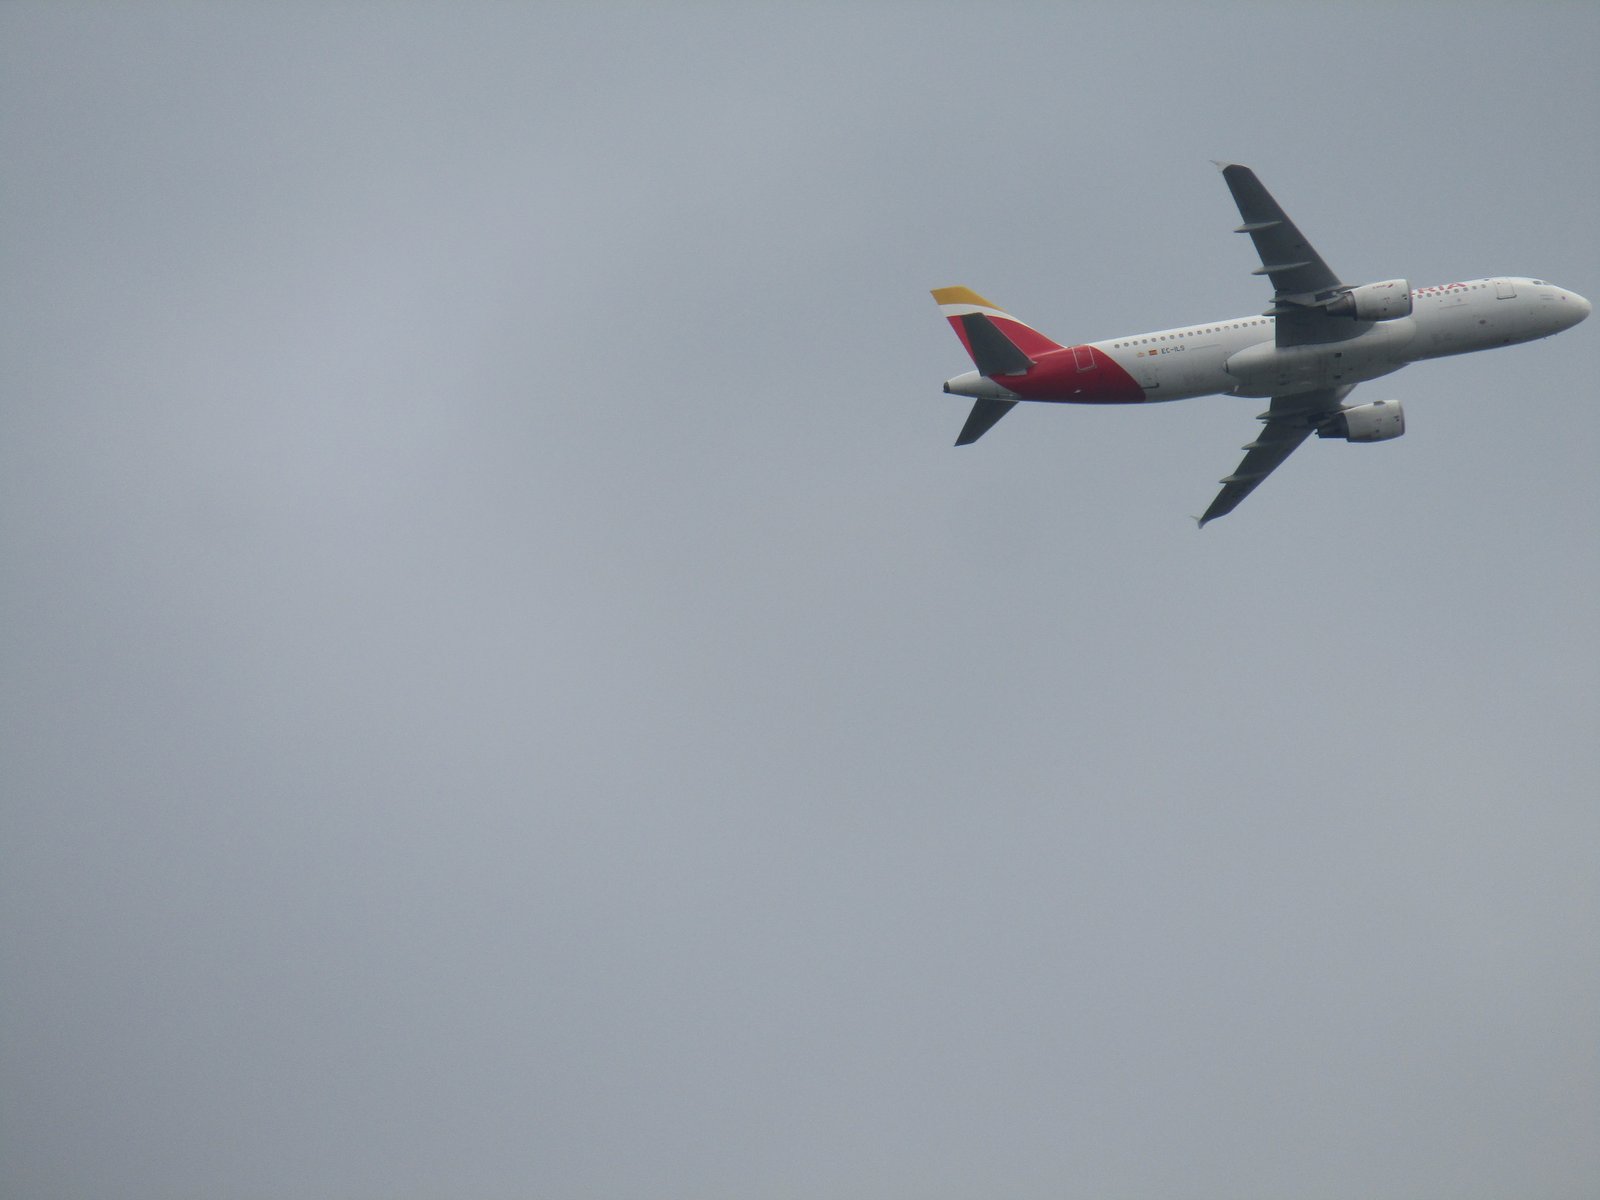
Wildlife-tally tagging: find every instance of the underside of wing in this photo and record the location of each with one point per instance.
(1290, 421)
(1302, 283)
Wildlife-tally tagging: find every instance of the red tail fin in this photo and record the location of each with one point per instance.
(977, 323)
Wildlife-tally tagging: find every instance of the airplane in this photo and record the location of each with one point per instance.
(1306, 352)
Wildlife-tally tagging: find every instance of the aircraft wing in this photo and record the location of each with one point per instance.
(1301, 281)
(1290, 421)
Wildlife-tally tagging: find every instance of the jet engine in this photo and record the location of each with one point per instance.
(1384, 301)
(1376, 422)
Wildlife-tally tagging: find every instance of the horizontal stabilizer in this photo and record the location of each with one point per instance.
(993, 353)
(982, 418)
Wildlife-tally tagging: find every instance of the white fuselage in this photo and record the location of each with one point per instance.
(1240, 356)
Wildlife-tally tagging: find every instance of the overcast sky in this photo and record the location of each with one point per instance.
(508, 690)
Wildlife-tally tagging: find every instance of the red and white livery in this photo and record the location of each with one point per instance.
(1319, 339)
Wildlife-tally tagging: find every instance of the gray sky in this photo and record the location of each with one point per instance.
(507, 689)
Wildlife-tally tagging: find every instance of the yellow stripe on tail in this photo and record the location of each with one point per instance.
(963, 295)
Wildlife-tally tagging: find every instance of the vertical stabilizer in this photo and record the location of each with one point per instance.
(992, 336)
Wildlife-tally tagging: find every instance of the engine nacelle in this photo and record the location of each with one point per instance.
(1384, 301)
(1375, 422)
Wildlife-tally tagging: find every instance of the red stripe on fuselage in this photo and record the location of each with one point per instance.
(1058, 376)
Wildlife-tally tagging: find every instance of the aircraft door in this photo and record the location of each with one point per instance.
(1149, 377)
(1504, 289)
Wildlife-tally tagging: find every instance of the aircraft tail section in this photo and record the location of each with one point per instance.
(999, 344)
(982, 418)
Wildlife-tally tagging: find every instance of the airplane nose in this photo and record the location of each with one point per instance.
(1583, 307)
